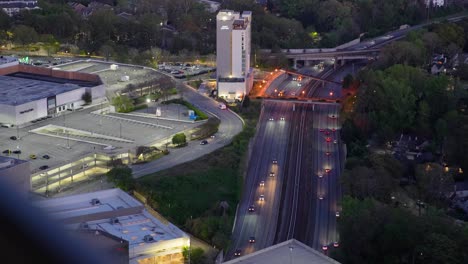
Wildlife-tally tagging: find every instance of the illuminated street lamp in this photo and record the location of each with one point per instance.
(147, 102)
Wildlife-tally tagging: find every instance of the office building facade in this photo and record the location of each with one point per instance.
(234, 75)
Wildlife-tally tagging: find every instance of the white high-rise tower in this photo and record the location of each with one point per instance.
(234, 76)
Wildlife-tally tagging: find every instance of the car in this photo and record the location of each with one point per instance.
(333, 129)
(46, 156)
(204, 142)
(13, 138)
(324, 247)
(328, 139)
(282, 118)
(272, 174)
(335, 141)
(17, 151)
(327, 170)
(32, 156)
(261, 198)
(337, 214)
(271, 119)
(320, 174)
(262, 183)
(6, 151)
(251, 208)
(332, 116)
(43, 167)
(328, 153)
(320, 197)
(336, 244)
(237, 252)
(327, 132)
(252, 239)
(275, 161)
(222, 106)
(321, 130)
(7, 125)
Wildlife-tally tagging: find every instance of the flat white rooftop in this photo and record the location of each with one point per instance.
(114, 212)
(283, 253)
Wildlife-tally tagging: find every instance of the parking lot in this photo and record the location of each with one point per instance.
(182, 70)
(72, 146)
(113, 77)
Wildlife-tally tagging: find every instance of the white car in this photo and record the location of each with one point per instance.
(261, 198)
(271, 119)
(262, 183)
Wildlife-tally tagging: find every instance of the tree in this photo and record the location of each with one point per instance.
(347, 81)
(179, 139)
(24, 35)
(246, 101)
(433, 183)
(193, 256)
(123, 103)
(107, 50)
(121, 177)
(87, 97)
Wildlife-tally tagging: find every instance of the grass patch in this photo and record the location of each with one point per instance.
(195, 84)
(198, 112)
(206, 129)
(201, 196)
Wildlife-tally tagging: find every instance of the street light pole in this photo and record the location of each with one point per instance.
(120, 125)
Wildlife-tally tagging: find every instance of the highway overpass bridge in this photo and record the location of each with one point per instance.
(306, 56)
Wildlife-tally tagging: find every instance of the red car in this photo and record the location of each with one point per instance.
(327, 153)
(328, 139)
(325, 247)
(327, 170)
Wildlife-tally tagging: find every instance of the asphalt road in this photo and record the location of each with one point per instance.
(270, 143)
(231, 125)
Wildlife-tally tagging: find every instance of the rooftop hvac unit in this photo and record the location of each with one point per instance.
(95, 201)
(114, 67)
(148, 238)
(114, 220)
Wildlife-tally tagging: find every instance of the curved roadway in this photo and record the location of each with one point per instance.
(231, 125)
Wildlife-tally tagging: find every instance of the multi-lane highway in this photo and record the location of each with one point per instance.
(292, 184)
(256, 216)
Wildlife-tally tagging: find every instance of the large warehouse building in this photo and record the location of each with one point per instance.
(149, 238)
(28, 93)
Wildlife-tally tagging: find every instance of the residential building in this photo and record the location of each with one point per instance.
(211, 6)
(151, 239)
(436, 3)
(16, 172)
(233, 73)
(291, 251)
(13, 7)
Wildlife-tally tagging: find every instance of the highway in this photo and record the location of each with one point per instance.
(270, 143)
(305, 143)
